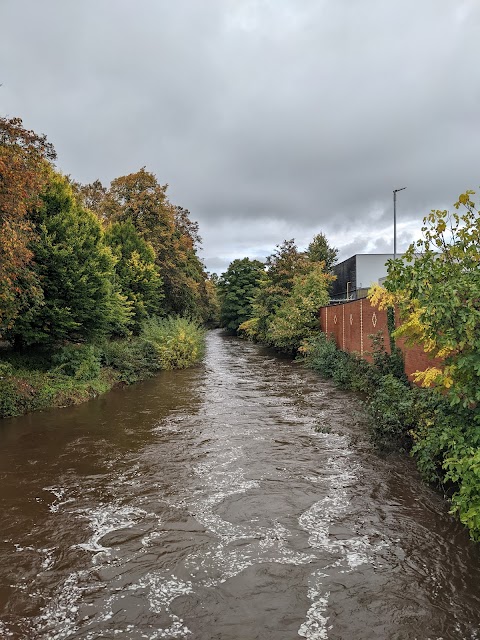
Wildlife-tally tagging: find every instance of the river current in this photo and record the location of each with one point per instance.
(238, 500)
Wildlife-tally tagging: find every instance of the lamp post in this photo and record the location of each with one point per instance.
(395, 191)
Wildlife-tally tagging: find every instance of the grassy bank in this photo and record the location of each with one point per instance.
(74, 373)
(444, 439)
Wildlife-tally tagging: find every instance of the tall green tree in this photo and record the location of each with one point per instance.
(140, 199)
(319, 250)
(296, 319)
(75, 269)
(237, 287)
(137, 275)
(282, 267)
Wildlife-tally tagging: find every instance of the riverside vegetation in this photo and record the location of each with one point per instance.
(97, 285)
(436, 291)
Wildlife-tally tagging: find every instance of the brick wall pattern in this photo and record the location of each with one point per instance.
(352, 324)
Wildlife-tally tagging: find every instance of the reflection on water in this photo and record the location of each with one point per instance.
(204, 504)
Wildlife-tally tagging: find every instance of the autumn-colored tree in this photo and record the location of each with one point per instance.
(91, 196)
(173, 235)
(24, 162)
(436, 287)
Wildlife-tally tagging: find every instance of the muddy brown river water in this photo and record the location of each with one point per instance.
(204, 504)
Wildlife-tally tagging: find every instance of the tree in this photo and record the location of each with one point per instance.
(137, 276)
(91, 196)
(283, 265)
(237, 287)
(437, 289)
(75, 269)
(319, 250)
(174, 237)
(297, 317)
(24, 163)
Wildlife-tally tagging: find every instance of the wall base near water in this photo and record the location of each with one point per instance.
(352, 324)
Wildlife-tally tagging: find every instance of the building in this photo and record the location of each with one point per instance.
(356, 275)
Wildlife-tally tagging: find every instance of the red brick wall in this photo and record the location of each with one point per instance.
(353, 322)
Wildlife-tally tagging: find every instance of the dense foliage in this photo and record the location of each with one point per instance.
(37, 379)
(436, 288)
(137, 276)
(84, 264)
(75, 270)
(24, 158)
(284, 309)
(237, 287)
(319, 250)
(141, 201)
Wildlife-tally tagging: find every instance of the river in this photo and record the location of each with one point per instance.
(238, 500)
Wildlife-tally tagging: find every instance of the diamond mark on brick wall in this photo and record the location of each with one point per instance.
(374, 319)
(351, 319)
(335, 318)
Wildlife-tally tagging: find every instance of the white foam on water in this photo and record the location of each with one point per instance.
(341, 474)
(5, 631)
(162, 590)
(48, 553)
(59, 618)
(215, 566)
(105, 518)
(316, 625)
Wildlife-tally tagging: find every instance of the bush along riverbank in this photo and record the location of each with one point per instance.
(39, 379)
(442, 438)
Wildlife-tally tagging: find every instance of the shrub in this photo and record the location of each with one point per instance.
(321, 355)
(81, 362)
(9, 398)
(446, 448)
(347, 370)
(178, 342)
(6, 369)
(132, 360)
(391, 409)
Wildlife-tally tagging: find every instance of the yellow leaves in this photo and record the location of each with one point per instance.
(465, 200)
(428, 377)
(381, 298)
(249, 328)
(446, 351)
(441, 226)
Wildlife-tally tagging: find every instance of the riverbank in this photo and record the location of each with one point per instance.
(442, 438)
(37, 379)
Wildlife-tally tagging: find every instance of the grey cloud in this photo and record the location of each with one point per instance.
(263, 116)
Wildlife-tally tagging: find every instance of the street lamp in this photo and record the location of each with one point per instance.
(395, 191)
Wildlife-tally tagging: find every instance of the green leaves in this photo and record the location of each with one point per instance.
(75, 269)
(296, 319)
(438, 285)
(237, 287)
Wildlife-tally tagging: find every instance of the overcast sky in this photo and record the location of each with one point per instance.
(269, 119)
